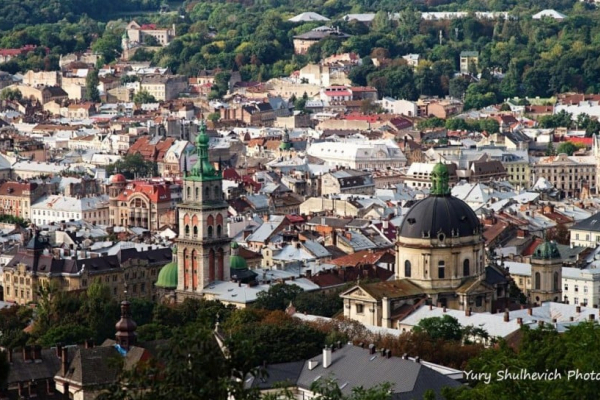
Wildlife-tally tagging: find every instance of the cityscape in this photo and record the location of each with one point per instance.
(330, 200)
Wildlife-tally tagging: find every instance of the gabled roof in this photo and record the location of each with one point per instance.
(589, 224)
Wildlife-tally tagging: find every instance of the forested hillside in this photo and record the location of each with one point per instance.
(14, 13)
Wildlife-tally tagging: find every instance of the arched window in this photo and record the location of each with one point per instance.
(197, 193)
(210, 231)
(219, 230)
(556, 282)
(407, 269)
(187, 230)
(206, 193)
(195, 231)
(538, 280)
(466, 267)
(189, 192)
(217, 190)
(441, 269)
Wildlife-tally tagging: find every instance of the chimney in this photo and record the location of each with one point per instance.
(506, 316)
(64, 361)
(27, 354)
(444, 309)
(37, 353)
(520, 321)
(89, 343)
(529, 311)
(326, 357)
(371, 349)
(468, 312)
(388, 353)
(312, 364)
(405, 356)
(578, 309)
(58, 350)
(418, 359)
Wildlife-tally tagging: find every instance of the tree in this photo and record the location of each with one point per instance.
(214, 117)
(150, 40)
(567, 148)
(91, 86)
(133, 165)
(278, 297)
(143, 97)
(11, 94)
(328, 389)
(431, 123)
(446, 327)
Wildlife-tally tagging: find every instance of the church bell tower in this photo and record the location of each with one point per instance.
(203, 242)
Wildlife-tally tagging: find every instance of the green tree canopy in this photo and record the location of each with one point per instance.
(567, 148)
(445, 327)
(143, 97)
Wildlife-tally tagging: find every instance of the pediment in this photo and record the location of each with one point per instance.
(357, 293)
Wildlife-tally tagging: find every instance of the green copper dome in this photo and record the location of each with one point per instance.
(167, 277)
(440, 177)
(235, 260)
(546, 251)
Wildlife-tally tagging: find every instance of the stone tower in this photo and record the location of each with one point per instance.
(126, 335)
(546, 274)
(203, 242)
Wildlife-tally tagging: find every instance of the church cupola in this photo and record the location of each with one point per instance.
(126, 335)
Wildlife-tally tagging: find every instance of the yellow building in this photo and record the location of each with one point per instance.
(130, 272)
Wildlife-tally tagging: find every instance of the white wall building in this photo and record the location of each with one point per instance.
(581, 286)
(61, 208)
(402, 107)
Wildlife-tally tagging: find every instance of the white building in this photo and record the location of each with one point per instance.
(61, 208)
(586, 232)
(32, 169)
(364, 154)
(581, 286)
(402, 107)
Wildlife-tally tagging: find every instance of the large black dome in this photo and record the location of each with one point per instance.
(437, 215)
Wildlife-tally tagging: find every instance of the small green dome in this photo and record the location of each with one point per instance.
(237, 262)
(546, 251)
(167, 277)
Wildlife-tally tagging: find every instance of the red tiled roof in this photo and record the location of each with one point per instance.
(15, 188)
(155, 192)
(366, 257)
(532, 246)
(581, 140)
(151, 152)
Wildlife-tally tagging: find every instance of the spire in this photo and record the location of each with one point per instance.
(440, 177)
(126, 336)
(203, 170)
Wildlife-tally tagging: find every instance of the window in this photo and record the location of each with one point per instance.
(441, 270)
(478, 301)
(556, 283)
(187, 230)
(219, 229)
(566, 286)
(585, 289)
(576, 288)
(520, 281)
(576, 300)
(359, 309)
(407, 269)
(195, 231)
(210, 231)
(466, 267)
(584, 301)
(577, 236)
(538, 280)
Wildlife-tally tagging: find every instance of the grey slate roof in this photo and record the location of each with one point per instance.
(589, 224)
(353, 366)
